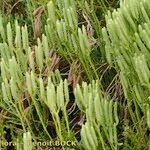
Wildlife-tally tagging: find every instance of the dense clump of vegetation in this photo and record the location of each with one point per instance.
(75, 71)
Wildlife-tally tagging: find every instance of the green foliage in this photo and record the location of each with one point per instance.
(83, 77)
(127, 48)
